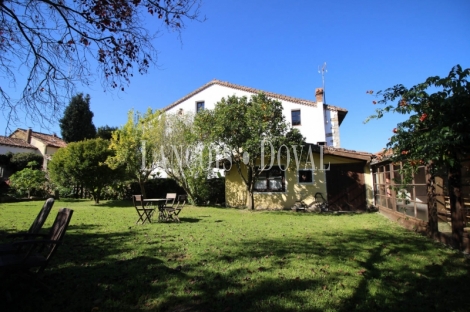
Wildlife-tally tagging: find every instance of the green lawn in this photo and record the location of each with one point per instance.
(220, 259)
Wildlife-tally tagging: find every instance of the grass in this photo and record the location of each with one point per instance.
(220, 259)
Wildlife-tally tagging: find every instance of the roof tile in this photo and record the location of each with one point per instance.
(251, 90)
(15, 142)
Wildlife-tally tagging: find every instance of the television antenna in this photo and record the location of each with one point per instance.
(323, 71)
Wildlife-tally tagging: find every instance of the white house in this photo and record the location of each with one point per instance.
(316, 121)
(346, 184)
(22, 140)
(14, 145)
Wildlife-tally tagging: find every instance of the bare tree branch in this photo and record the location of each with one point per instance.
(48, 47)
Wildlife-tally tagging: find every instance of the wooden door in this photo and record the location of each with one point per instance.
(346, 187)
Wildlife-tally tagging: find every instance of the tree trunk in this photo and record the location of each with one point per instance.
(250, 201)
(432, 202)
(250, 180)
(76, 189)
(96, 195)
(457, 210)
(142, 188)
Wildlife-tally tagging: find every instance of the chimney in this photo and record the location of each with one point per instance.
(28, 135)
(319, 95)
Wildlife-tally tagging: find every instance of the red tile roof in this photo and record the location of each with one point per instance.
(47, 139)
(383, 155)
(252, 90)
(15, 142)
(347, 153)
(334, 108)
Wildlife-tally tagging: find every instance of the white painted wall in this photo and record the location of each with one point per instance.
(332, 128)
(312, 118)
(42, 149)
(328, 128)
(14, 149)
(39, 144)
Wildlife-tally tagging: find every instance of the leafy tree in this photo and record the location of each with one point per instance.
(58, 44)
(84, 162)
(183, 156)
(105, 132)
(59, 169)
(28, 179)
(239, 125)
(135, 145)
(435, 133)
(77, 124)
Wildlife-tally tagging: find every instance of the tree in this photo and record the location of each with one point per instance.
(105, 132)
(18, 161)
(435, 133)
(28, 179)
(77, 122)
(239, 126)
(84, 162)
(59, 170)
(58, 44)
(135, 145)
(182, 155)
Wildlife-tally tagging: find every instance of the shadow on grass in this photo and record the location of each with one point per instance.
(72, 200)
(103, 203)
(182, 219)
(381, 287)
(116, 204)
(189, 220)
(356, 270)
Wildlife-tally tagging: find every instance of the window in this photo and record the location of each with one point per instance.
(410, 199)
(271, 180)
(199, 106)
(305, 176)
(296, 117)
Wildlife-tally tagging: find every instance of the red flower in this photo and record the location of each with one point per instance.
(404, 152)
(423, 117)
(395, 130)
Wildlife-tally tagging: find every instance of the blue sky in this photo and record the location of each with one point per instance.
(278, 45)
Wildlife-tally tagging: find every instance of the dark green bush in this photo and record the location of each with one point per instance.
(19, 161)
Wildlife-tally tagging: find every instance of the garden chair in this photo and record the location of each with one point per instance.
(174, 211)
(39, 251)
(33, 230)
(170, 200)
(167, 205)
(144, 212)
